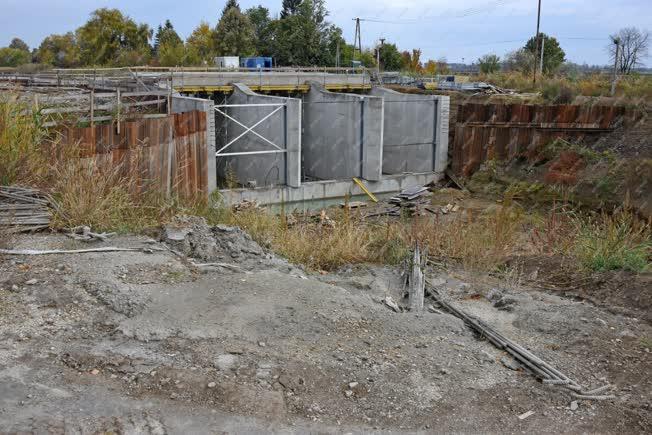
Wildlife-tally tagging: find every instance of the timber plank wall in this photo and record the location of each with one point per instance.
(508, 131)
(168, 154)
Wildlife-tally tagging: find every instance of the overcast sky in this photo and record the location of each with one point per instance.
(459, 30)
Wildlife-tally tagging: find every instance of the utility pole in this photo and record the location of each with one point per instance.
(543, 44)
(382, 43)
(616, 58)
(536, 52)
(337, 55)
(357, 39)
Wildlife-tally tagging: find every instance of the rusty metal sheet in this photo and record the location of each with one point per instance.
(507, 131)
(153, 153)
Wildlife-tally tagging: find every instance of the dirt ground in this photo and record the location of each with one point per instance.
(147, 342)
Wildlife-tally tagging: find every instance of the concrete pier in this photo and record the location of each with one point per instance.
(342, 135)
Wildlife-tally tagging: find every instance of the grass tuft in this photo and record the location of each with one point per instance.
(616, 241)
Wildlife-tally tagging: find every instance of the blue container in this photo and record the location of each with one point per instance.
(256, 62)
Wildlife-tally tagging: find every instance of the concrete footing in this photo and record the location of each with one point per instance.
(314, 193)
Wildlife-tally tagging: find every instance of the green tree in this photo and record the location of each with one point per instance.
(19, 44)
(11, 57)
(230, 4)
(201, 43)
(234, 34)
(553, 55)
(166, 35)
(61, 51)
(110, 38)
(489, 64)
(260, 20)
(521, 60)
(305, 37)
(290, 7)
(390, 57)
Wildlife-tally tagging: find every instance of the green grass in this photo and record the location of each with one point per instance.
(613, 242)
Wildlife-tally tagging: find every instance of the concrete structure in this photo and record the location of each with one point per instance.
(414, 138)
(321, 193)
(227, 62)
(331, 136)
(221, 81)
(182, 104)
(342, 135)
(269, 153)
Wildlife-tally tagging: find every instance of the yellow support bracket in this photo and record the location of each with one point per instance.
(364, 189)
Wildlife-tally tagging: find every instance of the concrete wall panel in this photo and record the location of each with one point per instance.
(282, 129)
(342, 135)
(411, 132)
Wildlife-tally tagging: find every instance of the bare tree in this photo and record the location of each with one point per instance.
(634, 45)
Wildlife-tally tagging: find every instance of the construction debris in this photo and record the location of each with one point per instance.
(245, 204)
(24, 209)
(391, 304)
(353, 204)
(69, 251)
(541, 369)
(413, 199)
(84, 234)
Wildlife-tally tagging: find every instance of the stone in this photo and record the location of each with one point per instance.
(352, 385)
(574, 405)
(31, 281)
(225, 362)
(211, 385)
(525, 415)
(484, 356)
(348, 393)
(391, 304)
(262, 344)
(510, 363)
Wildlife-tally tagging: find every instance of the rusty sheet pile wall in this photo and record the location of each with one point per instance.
(168, 153)
(508, 131)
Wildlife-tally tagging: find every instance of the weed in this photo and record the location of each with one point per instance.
(617, 241)
(21, 138)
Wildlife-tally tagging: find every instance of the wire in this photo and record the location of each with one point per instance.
(459, 14)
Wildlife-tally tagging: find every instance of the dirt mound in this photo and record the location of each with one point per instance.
(193, 237)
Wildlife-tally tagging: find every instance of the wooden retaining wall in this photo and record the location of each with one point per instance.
(508, 131)
(168, 153)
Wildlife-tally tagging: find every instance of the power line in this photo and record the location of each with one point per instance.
(459, 14)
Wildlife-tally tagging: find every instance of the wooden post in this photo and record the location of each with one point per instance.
(118, 110)
(93, 105)
(417, 282)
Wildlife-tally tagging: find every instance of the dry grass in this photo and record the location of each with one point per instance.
(561, 89)
(20, 137)
(475, 242)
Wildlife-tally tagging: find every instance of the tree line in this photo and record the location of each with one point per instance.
(300, 36)
(633, 49)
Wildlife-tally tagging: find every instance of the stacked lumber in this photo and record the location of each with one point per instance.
(24, 209)
(413, 199)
